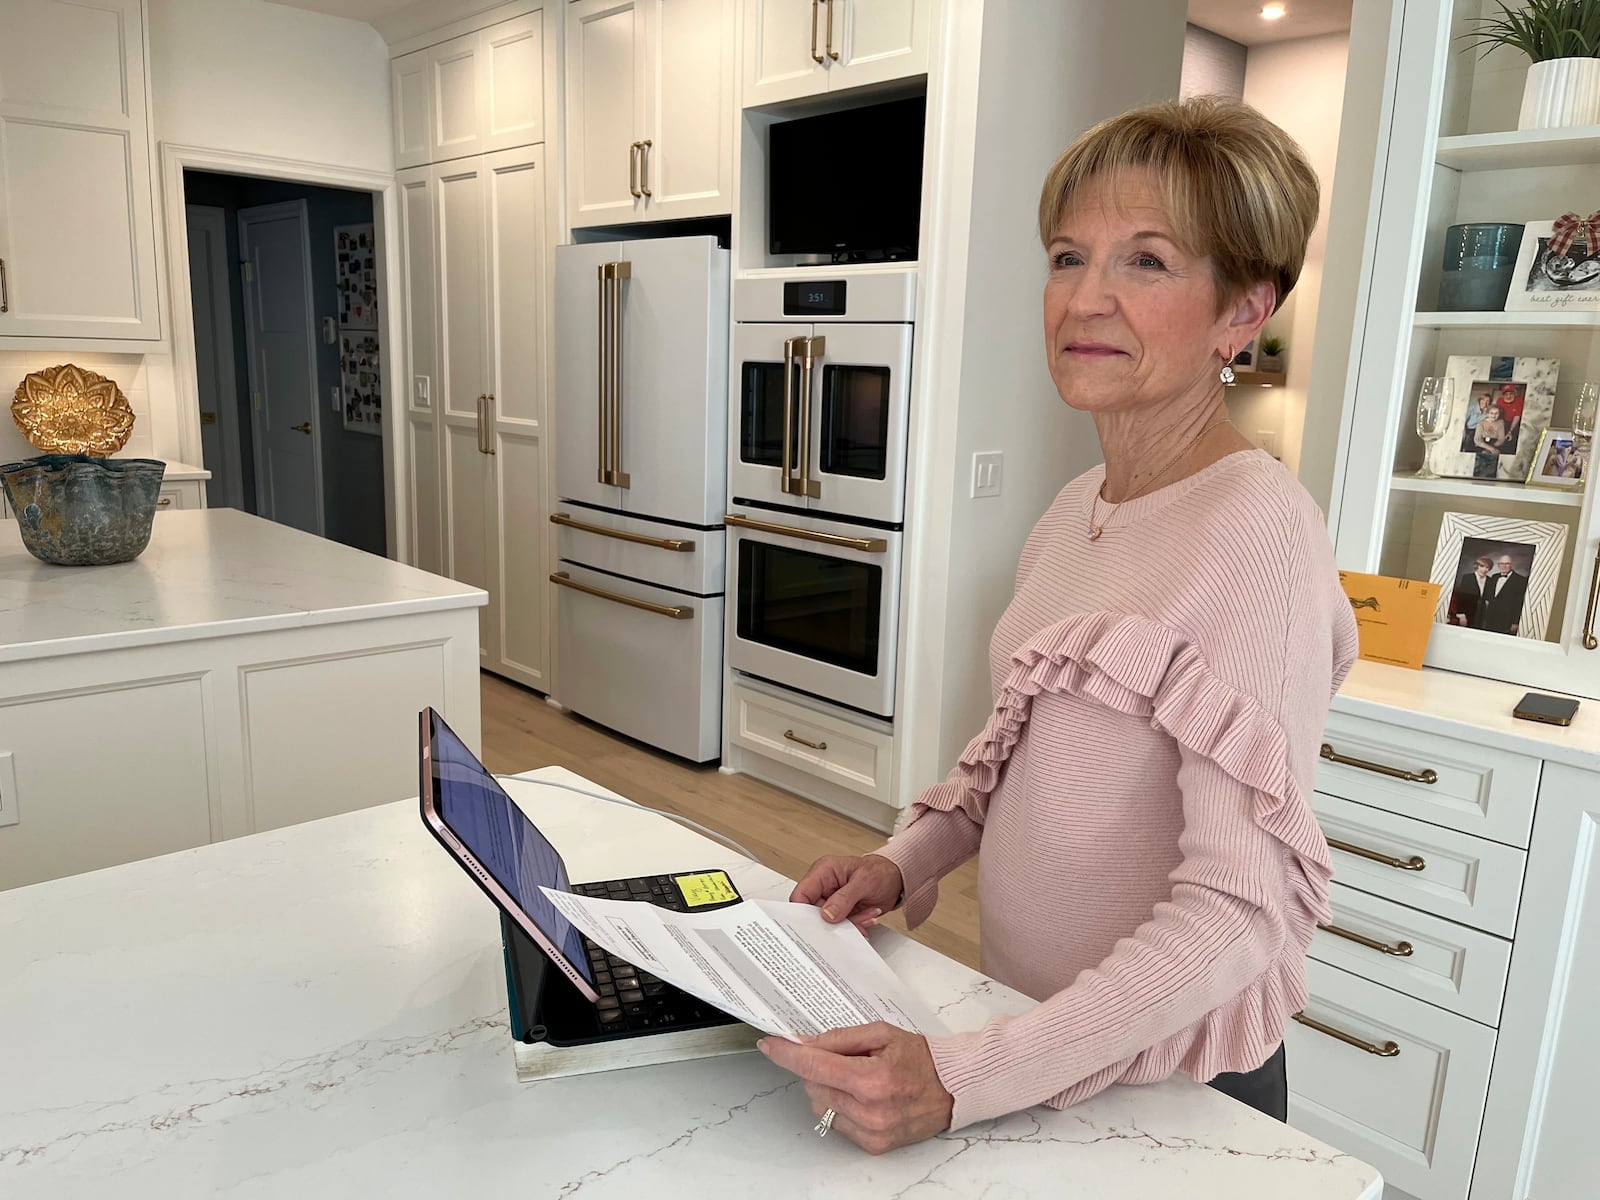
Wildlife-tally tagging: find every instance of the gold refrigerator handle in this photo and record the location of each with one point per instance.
(619, 272)
(677, 545)
(785, 479)
(603, 438)
(812, 348)
(814, 55)
(832, 53)
(644, 168)
(677, 612)
(1590, 642)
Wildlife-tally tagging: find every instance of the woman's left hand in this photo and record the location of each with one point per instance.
(879, 1080)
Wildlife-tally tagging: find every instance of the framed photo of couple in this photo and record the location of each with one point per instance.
(1500, 404)
(1497, 574)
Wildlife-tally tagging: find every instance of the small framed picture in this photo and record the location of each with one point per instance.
(1499, 400)
(1558, 462)
(1497, 574)
(1567, 282)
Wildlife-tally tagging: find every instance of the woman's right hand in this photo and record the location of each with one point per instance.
(860, 887)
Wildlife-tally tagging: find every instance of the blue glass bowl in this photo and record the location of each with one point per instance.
(79, 511)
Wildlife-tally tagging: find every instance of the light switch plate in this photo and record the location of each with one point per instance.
(330, 331)
(337, 397)
(987, 469)
(420, 385)
(8, 788)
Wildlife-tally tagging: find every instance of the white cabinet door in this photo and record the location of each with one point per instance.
(605, 111)
(462, 395)
(511, 66)
(1539, 1127)
(77, 226)
(784, 54)
(455, 70)
(420, 385)
(409, 79)
(517, 520)
(687, 166)
(878, 40)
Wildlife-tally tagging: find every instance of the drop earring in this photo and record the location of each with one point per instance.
(1227, 375)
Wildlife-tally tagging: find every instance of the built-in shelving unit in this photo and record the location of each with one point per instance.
(1516, 149)
(1260, 378)
(1488, 489)
(1507, 320)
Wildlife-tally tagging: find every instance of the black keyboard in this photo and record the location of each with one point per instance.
(632, 999)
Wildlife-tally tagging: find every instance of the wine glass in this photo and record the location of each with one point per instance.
(1433, 414)
(1583, 414)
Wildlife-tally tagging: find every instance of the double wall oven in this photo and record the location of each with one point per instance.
(817, 478)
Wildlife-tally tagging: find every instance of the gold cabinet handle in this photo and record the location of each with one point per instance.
(633, 170)
(5, 295)
(304, 427)
(814, 55)
(644, 168)
(601, 375)
(480, 403)
(164, 502)
(1414, 863)
(812, 348)
(864, 545)
(488, 425)
(786, 482)
(794, 737)
(1396, 949)
(678, 545)
(1589, 639)
(676, 612)
(1387, 1050)
(832, 53)
(1427, 775)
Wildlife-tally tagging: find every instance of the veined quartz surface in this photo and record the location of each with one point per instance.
(320, 1011)
(208, 573)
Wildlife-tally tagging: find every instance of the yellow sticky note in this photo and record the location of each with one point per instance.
(711, 887)
(1393, 617)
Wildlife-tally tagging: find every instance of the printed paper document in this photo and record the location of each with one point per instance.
(777, 966)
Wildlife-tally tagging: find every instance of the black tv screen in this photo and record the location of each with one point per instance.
(847, 184)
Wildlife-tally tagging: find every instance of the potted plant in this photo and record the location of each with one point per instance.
(1272, 349)
(1562, 41)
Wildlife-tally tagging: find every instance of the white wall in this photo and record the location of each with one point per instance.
(1043, 78)
(1299, 84)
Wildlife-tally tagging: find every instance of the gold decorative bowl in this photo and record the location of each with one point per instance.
(67, 410)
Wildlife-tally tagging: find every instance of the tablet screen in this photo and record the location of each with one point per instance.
(475, 808)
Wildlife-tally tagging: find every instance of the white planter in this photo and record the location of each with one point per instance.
(1561, 92)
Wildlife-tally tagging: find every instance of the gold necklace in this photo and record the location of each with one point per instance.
(1094, 504)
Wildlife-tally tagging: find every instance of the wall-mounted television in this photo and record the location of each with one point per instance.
(847, 184)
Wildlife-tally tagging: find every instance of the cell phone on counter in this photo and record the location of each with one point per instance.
(1550, 710)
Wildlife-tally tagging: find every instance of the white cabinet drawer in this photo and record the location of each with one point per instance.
(1476, 789)
(1446, 964)
(821, 744)
(1415, 1113)
(1466, 879)
(183, 495)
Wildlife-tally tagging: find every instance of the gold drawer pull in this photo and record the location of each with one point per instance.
(1590, 642)
(677, 612)
(164, 502)
(1414, 863)
(676, 544)
(1398, 949)
(1387, 1050)
(1428, 775)
(790, 734)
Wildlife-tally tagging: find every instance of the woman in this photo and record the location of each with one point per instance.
(1151, 872)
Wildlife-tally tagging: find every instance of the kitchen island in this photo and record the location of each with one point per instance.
(320, 1011)
(238, 676)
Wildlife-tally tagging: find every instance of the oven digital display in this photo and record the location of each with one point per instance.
(822, 298)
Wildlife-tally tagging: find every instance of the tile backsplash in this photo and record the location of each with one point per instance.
(131, 372)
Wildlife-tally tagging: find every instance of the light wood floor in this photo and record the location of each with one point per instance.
(521, 732)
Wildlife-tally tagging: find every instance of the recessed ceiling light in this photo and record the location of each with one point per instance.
(1272, 12)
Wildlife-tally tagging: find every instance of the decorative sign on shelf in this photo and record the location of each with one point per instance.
(360, 352)
(1394, 617)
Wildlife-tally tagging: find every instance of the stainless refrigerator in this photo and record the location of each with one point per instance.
(641, 420)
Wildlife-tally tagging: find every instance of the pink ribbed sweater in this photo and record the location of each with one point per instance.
(1150, 869)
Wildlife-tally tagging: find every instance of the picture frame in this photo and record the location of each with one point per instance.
(1540, 282)
(1519, 606)
(1559, 462)
(1499, 401)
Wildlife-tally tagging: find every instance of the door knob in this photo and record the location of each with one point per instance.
(208, 418)
(303, 427)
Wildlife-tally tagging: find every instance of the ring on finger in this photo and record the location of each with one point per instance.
(826, 1123)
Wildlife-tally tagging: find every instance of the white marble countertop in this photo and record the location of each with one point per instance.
(1465, 706)
(207, 573)
(320, 1011)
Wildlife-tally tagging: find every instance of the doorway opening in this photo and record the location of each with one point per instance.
(283, 282)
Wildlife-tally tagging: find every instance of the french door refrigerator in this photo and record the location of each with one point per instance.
(641, 468)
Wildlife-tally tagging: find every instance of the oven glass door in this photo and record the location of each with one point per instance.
(860, 389)
(759, 412)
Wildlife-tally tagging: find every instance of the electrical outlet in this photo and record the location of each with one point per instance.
(1267, 439)
(987, 469)
(8, 789)
(420, 386)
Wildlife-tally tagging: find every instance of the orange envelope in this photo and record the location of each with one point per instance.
(1394, 617)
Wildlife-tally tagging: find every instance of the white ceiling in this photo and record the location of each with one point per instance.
(356, 10)
(1241, 19)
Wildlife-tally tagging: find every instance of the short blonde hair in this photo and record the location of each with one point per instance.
(1237, 189)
